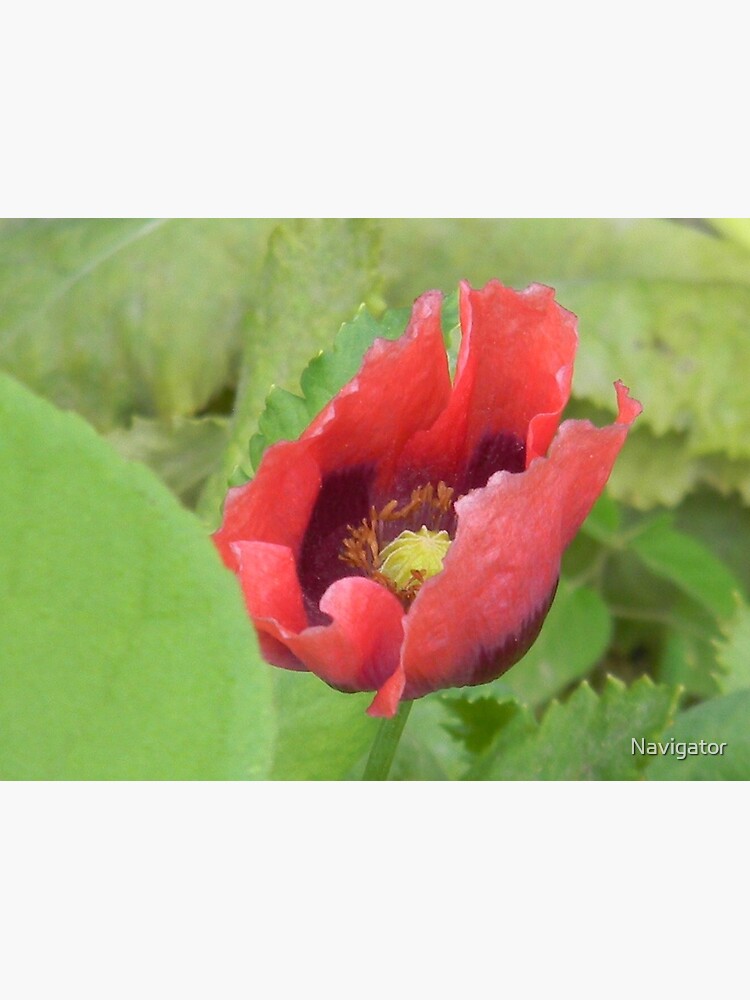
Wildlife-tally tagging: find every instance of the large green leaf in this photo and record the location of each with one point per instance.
(322, 734)
(720, 720)
(316, 275)
(126, 651)
(587, 738)
(113, 317)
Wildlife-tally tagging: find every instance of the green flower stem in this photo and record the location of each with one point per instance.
(384, 746)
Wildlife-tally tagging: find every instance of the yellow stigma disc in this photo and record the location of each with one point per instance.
(420, 551)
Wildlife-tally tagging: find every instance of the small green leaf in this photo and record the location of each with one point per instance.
(126, 650)
(604, 520)
(587, 738)
(733, 652)
(722, 524)
(720, 720)
(689, 565)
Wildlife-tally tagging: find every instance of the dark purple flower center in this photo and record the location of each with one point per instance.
(347, 500)
(344, 499)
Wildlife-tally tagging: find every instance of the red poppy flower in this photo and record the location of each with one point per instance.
(410, 539)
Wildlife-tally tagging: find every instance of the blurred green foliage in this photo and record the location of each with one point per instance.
(126, 650)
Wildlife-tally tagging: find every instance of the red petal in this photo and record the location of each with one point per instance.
(628, 408)
(513, 376)
(275, 506)
(366, 423)
(268, 577)
(401, 387)
(517, 350)
(477, 617)
(358, 651)
(386, 701)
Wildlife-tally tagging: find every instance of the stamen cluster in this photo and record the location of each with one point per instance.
(428, 506)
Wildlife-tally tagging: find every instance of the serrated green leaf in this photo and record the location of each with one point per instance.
(481, 719)
(661, 471)
(733, 653)
(727, 476)
(654, 471)
(587, 738)
(720, 720)
(182, 452)
(316, 275)
(284, 418)
(688, 650)
(650, 471)
(113, 317)
(689, 565)
(678, 346)
(126, 651)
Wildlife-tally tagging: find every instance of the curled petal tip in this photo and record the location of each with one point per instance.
(629, 408)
